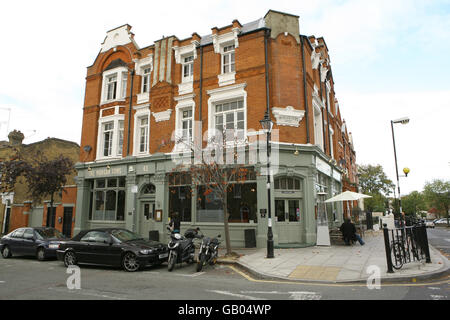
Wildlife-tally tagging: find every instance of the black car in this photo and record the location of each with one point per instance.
(112, 247)
(40, 242)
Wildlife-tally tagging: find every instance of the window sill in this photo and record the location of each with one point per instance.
(143, 97)
(111, 101)
(226, 78)
(185, 87)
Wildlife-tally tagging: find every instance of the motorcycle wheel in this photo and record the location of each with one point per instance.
(171, 261)
(201, 262)
(213, 260)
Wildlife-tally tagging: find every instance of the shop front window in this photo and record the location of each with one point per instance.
(242, 204)
(108, 200)
(180, 196)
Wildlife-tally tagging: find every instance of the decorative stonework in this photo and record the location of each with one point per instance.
(315, 59)
(118, 36)
(163, 115)
(288, 116)
(218, 40)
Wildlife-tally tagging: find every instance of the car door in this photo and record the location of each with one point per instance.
(28, 242)
(81, 247)
(102, 250)
(15, 242)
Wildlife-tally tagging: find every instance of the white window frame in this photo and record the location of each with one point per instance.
(190, 66)
(119, 73)
(146, 76)
(227, 68)
(141, 112)
(225, 94)
(331, 142)
(184, 103)
(115, 152)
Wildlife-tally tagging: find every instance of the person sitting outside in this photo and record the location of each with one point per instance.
(348, 230)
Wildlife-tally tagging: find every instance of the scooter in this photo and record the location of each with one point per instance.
(209, 250)
(182, 248)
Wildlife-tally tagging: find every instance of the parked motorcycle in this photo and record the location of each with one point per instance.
(182, 248)
(208, 252)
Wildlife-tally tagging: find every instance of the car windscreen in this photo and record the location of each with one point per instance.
(49, 233)
(125, 235)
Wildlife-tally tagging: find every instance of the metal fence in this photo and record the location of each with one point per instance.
(406, 244)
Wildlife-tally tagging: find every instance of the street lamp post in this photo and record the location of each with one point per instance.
(267, 124)
(404, 120)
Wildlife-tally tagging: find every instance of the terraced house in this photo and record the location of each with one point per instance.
(137, 97)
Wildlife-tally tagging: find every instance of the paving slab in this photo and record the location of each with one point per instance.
(336, 263)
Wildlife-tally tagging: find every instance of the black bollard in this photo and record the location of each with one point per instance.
(387, 248)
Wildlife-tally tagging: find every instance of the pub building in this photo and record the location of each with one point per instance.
(127, 177)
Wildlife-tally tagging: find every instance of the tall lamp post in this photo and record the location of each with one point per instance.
(404, 120)
(267, 125)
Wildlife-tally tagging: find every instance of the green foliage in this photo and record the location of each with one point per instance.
(374, 182)
(437, 195)
(413, 203)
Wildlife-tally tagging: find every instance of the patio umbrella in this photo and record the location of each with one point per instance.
(347, 196)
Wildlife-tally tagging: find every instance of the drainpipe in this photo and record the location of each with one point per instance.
(266, 34)
(201, 83)
(323, 117)
(308, 139)
(129, 112)
(328, 115)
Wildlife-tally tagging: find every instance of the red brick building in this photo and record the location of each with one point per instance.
(17, 208)
(226, 79)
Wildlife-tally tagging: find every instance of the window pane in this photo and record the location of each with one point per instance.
(297, 184)
(122, 182)
(112, 183)
(100, 183)
(279, 210)
(99, 205)
(277, 183)
(294, 210)
(290, 183)
(121, 205)
(283, 183)
(226, 107)
(110, 207)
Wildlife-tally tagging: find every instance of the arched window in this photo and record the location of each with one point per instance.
(149, 189)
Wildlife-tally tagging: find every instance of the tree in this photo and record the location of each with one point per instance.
(437, 194)
(211, 175)
(374, 182)
(47, 177)
(11, 170)
(413, 203)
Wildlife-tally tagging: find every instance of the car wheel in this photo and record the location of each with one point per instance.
(70, 259)
(130, 262)
(6, 252)
(40, 254)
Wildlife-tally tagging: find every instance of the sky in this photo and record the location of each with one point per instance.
(390, 59)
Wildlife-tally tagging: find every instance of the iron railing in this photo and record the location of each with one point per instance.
(406, 244)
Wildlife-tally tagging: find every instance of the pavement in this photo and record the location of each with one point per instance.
(335, 263)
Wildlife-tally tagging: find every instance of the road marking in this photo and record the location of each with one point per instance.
(437, 297)
(294, 295)
(190, 275)
(2, 281)
(434, 288)
(85, 293)
(235, 295)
